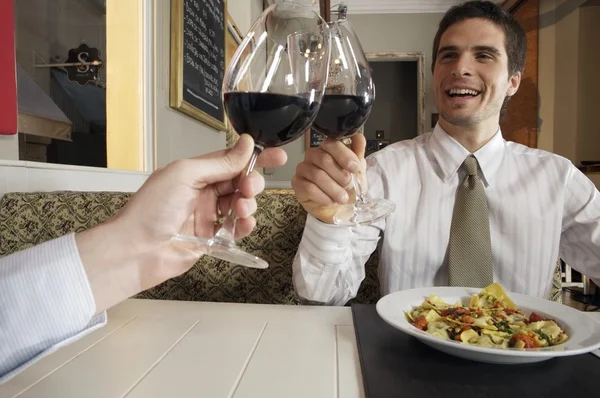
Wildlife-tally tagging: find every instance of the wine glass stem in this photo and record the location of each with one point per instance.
(360, 195)
(227, 231)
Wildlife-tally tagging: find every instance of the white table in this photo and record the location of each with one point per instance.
(152, 348)
(193, 349)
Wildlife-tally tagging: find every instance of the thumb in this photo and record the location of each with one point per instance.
(359, 144)
(226, 165)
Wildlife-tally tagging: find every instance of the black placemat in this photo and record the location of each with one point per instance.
(395, 364)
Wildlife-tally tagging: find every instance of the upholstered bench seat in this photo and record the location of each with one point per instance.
(27, 219)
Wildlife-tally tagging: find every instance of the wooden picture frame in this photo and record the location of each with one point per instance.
(176, 88)
(421, 90)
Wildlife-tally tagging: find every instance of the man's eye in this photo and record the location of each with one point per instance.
(448, 56)
(484, 56)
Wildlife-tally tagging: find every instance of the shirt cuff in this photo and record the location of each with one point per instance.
(326, 242)
(46, 303)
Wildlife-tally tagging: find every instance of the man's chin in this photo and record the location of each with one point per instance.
(460, 120)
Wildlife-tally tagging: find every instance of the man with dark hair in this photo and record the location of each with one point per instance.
(472, 208)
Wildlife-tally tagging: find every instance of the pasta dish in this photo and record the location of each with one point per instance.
(490, 320)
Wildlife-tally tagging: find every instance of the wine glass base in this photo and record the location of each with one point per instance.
(364, 213)
(193, 243)
(220, 248)
(224, 250)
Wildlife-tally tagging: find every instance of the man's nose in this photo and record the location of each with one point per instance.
(462, 67)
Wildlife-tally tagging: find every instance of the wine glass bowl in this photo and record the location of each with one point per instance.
(345, 107)
(272, 91)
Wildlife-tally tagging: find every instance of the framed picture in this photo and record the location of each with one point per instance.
(199, 56)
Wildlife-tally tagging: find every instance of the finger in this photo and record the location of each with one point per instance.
(249, 186)
(358, 146)
(218, 166)
(307, 191)
(327, 163)
(343, 155)
(205, 214)
(244, 227)
(271, 157)
(327, 185)
(243, 207)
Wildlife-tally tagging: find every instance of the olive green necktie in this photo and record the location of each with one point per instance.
(470, 251)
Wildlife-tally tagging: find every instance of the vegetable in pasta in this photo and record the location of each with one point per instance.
(490, 320)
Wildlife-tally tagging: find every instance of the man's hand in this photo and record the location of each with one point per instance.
(133, 251)
(323, 180)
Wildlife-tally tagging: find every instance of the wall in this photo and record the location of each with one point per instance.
(177, 135)
(588, 147)
(381, 33)
(569, 83)
(546, 74)
(244, 13)
(395, 108)
(9, 147)
(565, 83)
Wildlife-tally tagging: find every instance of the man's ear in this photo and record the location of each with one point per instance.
(515, 81)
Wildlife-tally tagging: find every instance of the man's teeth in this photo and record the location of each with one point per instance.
(462, 91)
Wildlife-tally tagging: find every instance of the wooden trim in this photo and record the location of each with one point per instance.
(125, 134)
(421, 95)
(325, 9)
(149, 121)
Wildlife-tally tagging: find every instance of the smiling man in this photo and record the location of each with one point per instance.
(472, 208)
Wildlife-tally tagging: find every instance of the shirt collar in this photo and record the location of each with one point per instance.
(450, 155)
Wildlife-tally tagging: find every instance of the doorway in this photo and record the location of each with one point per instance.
(399, 109)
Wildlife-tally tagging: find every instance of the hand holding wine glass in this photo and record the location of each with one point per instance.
(272, 91)
(345, 107)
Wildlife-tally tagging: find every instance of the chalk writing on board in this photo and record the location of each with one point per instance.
(204, 55)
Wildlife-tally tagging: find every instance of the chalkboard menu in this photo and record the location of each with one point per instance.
(198, 59)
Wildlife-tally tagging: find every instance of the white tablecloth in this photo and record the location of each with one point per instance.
(194, 349)
(156, 348)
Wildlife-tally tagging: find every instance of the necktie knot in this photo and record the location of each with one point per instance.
(470, 165)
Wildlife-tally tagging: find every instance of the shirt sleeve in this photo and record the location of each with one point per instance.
(330, 262)
(580, 239)
(46, 303)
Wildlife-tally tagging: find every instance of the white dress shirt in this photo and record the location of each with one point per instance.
(45, 303)
(540, 205)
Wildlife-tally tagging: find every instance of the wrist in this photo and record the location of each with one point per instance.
(110, 264)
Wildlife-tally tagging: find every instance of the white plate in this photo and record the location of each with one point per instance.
(582, 329)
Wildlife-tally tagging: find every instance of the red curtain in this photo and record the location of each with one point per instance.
(8, 84)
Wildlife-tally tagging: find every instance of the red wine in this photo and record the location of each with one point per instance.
(342, 115)
(271, 119)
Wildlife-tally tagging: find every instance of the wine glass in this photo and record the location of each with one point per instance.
(345, 107)
(272, 91)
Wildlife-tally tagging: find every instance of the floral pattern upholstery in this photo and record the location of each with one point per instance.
(28, 219)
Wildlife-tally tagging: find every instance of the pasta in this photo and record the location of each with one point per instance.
(490, 320)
